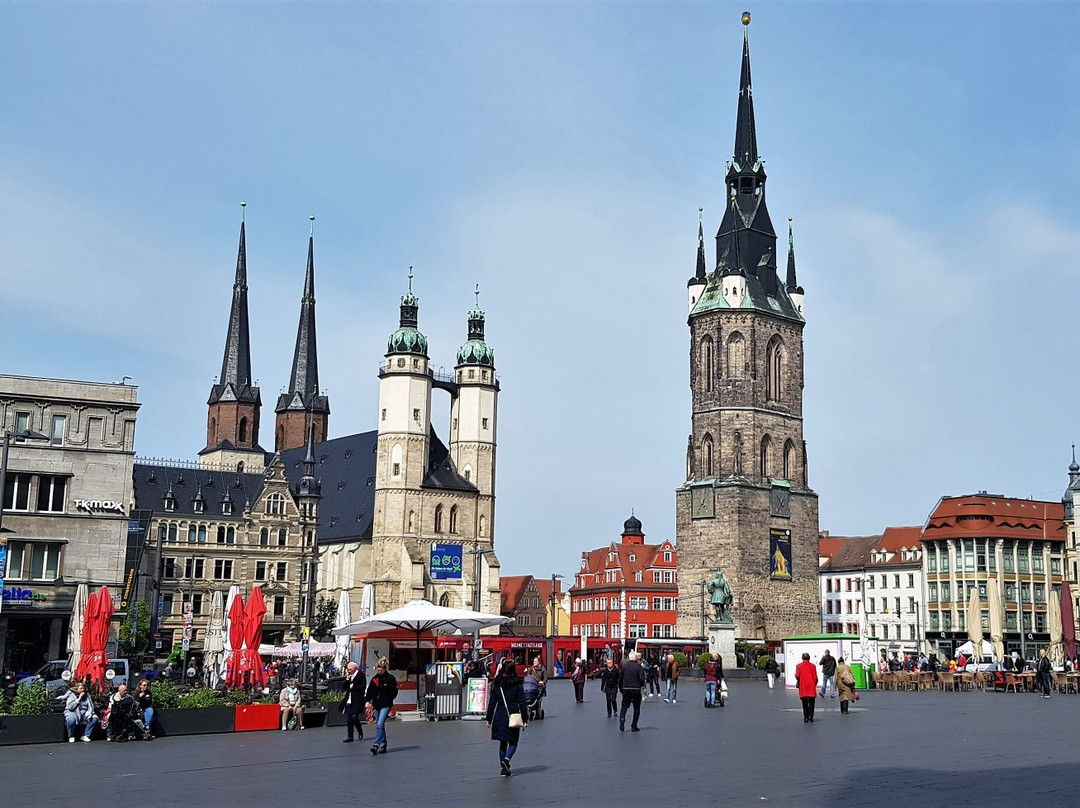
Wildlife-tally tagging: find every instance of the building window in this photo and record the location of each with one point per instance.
(281, 572)
(202, 534)
(223, 569)
(668, 577)
(438, 519)
(198, 505)
(168, 567)
(706, 364)
(656, 604)
(22, 421)
(260, 570)
(279, 606)
(636, 630)
(17, 492)
(193, 568)
(192, 534)
(707, 456)
(775, 377)
(789, 460)
(264, 537)
(453, 518)
(736, 356)
(59, 426)
(396, 459)
(282, 537)
(483, 423)
(51, 494)
(166, 604)
(275, 505)
(765, 460)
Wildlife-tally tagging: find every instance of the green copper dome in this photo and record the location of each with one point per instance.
(408, 339)
(476, 351)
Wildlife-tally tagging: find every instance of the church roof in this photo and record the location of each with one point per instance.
(303, 392)
(154, 482)
(235, 382)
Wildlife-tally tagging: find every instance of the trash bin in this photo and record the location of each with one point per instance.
(859, 672)
(442, 692)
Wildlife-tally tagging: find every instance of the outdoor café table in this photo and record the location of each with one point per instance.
(1028, 678)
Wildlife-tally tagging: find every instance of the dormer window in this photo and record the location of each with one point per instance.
(226, 507)
(199, 506)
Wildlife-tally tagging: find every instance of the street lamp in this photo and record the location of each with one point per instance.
(479, 552)
(554, 632)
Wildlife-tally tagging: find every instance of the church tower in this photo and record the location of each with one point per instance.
(302, 405)
(232, 424)
(746, 506)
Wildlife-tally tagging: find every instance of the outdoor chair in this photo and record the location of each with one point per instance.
(947, 681)
(1013, 681)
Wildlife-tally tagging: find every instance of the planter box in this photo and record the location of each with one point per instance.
(334, 717)
(195, 722)
(257, 716)
(20, 729)
(316, 715)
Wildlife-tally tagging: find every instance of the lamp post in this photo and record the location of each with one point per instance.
(20, 436)
(554, 629)
(479, 553)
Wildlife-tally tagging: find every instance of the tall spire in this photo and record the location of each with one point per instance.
(235, 377)
(745, 130)
(302, 401)
(792, 281)
(699, 274)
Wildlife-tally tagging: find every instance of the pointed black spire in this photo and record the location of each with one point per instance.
(792, 281)
(309, 486)
(699, 271)
(235, 380)
(746, 152)
(303, 392)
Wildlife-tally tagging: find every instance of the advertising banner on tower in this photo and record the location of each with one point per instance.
(446, 562)
(780, 555)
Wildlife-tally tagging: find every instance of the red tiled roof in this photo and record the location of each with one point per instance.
(828, 546)
(543, 586)
(853, 552)
(987, 515)
(512, 587)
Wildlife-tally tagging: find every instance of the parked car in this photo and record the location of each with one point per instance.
(51, 674)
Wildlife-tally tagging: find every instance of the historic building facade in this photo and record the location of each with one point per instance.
(628, 589)
(746, 506)
(66, 499)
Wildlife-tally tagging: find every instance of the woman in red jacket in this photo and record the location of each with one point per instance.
(806, 679)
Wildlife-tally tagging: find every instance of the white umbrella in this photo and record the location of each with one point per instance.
(996, 635)
(367, 602)
(974, 619)
(214, 644)
(344, 617)
(422, 615)
(226, 643)
(78, 617)
(968, 648)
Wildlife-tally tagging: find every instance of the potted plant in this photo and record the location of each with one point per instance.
(330, 700)
(198, 712)
(252, 713)
(30, 719)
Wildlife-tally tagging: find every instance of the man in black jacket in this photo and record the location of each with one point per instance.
(631, 681)
(353, 703)
(1045, 669)
(828, 674)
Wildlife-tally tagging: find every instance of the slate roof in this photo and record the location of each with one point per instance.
(152, 481)
(852, 553)
(345, 469)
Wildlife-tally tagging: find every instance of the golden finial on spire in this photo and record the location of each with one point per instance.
(746, 18)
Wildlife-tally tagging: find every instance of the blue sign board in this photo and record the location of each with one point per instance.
(446, 562)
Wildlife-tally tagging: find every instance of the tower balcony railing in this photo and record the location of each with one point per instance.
(444, 377)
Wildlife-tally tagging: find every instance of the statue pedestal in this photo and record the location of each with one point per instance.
(722, 642)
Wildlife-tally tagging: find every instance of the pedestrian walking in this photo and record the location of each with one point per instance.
(828, 674)
(652, 673)
(381, 692)
(353, 703)
(772, 670)
(577, 676)
(610, 677)
(806, 678)
(671, 671)
(846, 685)
(506, 713)
(631, 680)
(1044, 669)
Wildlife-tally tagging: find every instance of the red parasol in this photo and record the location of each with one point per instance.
(234, 670)
(1068, 621)
(96, 626)
(253, 620)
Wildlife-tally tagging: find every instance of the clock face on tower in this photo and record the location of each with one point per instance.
(779, 502)
(701, 502)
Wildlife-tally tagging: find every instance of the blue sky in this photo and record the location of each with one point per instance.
(556, 154)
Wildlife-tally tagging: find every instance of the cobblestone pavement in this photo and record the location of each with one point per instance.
(894, 748)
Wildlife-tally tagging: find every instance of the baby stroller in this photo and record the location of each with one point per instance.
(534, 697)
(123, 722)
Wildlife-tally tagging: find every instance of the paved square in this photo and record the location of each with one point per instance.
(895, 748)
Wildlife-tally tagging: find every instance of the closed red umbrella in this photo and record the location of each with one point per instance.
(1068, 621)
(253, 620)
(96, 627)
(234, 670)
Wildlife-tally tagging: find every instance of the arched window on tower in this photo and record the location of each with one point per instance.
(706, 359)
(775, 374)
(213, 429)
(412, 521)
(438, 519)
(735, 366)
(707, 456)
(243, 430)
(395, 461)
(280, 438)
(467, 473)
(789, 459)
(482, 526)
(453, 518)
(766, 456)
(444, 600)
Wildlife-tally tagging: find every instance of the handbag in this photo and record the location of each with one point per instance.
(515, 720)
